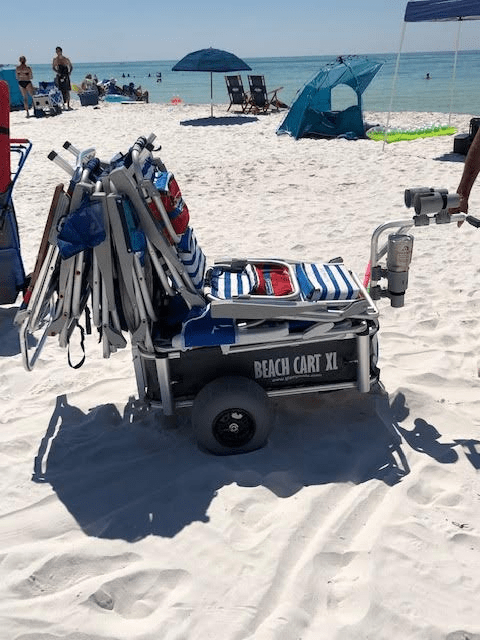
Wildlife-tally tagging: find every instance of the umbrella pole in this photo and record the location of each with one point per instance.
(211, 94)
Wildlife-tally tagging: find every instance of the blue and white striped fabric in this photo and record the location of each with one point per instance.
(326, 282)
(192, 257)
(231, 284)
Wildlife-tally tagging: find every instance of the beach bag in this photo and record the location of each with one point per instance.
(82, 229)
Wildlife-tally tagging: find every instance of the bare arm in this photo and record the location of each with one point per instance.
(471, 170)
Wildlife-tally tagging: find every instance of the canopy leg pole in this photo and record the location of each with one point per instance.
(454, 72)
(394, 83)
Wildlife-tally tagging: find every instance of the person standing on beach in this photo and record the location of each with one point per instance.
(24, 75)
(88, 83)
(63, 68)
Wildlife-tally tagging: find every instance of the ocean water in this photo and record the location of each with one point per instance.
(412, 91)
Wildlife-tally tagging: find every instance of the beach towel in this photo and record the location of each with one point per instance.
(192, 258)
(173, 202)
(273, 280)
(62, 79)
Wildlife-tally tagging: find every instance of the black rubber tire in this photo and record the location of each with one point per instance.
(232, 415)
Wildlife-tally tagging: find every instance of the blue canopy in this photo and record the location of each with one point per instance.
(439, 11)
(311, 114)
(211, 59)
(442, 10)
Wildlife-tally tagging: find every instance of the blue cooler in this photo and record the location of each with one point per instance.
(88, 97)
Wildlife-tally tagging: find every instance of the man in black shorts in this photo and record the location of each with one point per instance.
(63, 68)
(24, 76)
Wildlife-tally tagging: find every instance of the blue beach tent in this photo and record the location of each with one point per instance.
(311, 114)
(16, 100)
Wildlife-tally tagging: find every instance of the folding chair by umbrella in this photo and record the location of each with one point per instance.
(236, 92)
(261, 100)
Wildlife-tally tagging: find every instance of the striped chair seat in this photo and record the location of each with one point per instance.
(225, 284)
(326, 282)
(315, 282)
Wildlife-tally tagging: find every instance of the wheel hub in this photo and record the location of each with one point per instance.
(234, 428)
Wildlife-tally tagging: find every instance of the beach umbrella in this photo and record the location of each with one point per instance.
(212, 61)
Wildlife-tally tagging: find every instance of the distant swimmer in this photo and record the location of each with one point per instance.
(427, 77)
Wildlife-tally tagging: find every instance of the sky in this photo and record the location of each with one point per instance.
(126, 30)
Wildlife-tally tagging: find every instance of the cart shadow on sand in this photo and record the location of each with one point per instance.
(121, 477)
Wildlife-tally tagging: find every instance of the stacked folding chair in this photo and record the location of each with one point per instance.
(104, 245)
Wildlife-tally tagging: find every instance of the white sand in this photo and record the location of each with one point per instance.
(117, 531)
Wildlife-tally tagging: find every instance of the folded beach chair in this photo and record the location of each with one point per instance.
(261, 100)
(236, 92)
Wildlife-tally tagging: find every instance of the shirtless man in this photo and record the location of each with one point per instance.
(63, 68)
(24, 77)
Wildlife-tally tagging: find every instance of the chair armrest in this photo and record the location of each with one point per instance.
(274, 92)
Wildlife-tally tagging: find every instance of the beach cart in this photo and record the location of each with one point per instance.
(223, 339)
(13, 155)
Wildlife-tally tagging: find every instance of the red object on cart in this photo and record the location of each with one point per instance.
(5, 167)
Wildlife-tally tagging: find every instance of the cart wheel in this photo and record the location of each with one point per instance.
(232, 415)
